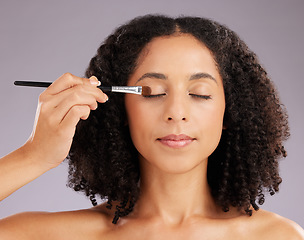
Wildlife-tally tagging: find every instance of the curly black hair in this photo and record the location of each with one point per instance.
(103, 160)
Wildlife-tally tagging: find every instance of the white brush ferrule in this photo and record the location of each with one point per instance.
(128, 89)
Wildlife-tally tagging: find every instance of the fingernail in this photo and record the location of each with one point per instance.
(107, 98)
(94, 81)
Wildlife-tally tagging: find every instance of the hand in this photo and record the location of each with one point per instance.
(60, 108)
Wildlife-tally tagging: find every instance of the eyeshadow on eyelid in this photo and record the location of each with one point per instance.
(201, 85)
(199, 88)
(157, 91)
(154, 86)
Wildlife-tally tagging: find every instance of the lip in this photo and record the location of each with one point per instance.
(176, 141)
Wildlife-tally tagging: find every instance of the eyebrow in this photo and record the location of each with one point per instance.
(152, 75)
(202, 75)
(161, 76)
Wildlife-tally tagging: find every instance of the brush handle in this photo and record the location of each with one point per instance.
(46, 84)
(32, 84)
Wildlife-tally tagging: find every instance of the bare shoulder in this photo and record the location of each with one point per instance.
(274, 226)
(81, 224)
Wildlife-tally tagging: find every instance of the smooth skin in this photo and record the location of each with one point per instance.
(175, 202)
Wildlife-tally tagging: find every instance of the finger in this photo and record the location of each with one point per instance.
(77, 95)
(72, 117)
(69, 80)
(56, 107)
(59, 112)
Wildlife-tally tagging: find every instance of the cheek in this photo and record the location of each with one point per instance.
(216, 125)
(210, 114)
(135, 118)
(139, 119)
(216, 117)
(210, 120)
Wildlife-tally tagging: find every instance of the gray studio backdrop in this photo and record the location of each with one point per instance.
(41, 40)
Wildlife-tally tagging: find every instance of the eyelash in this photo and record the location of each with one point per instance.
(206, 97)
(154, 96)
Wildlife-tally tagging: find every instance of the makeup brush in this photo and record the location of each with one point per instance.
(140, 90)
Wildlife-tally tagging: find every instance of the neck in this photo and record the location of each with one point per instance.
(175, 197)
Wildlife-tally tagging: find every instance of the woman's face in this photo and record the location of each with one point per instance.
(180, 124)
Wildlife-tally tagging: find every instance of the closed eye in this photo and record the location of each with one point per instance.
(154, 95)
(200, 96)
(191, 94)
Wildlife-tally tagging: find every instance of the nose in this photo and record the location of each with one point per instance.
(176, 109)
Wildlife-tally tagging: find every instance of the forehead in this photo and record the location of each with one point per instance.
(178, 46)
(180, 54)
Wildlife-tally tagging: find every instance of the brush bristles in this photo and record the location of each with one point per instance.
(146, 91)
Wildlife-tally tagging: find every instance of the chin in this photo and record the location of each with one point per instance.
(178, 165)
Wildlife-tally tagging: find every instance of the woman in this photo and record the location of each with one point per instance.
(189, 161)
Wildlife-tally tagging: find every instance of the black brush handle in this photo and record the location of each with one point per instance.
(46, 84)
(32, 84)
